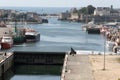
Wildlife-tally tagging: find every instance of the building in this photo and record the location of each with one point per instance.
(106, 11)
(4, 30)
(114, 13)
(102, 11)
(34, 17)
(75, 16)
(64, 15)
(1, 12)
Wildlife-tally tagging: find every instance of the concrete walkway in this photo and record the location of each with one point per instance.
(78, 67)
(4, 55)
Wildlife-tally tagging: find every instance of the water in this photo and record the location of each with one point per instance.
(33, 72)
(37, 72)
(35, 77)
(61, 36)
(48, 10)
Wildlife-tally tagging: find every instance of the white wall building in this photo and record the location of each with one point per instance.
(74, 16)
(101, 11)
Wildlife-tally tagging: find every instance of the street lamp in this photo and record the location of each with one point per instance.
(104, 52)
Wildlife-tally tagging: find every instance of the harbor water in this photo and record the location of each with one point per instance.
(33, 72)
(60, 36)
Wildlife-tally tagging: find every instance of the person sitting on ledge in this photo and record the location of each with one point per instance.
(73, 52)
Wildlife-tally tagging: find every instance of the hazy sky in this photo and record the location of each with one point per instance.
(59, 3)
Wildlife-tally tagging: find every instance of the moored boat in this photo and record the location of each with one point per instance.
(93, 30)
(6, 42)
(18, 36)
(32, 36)
(18, 39)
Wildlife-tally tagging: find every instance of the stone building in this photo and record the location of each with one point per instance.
(102, 11)
(64, 15)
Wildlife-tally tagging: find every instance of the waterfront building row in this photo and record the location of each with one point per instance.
(13, 15)
(100, 15)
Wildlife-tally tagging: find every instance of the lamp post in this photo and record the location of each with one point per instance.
(104, 47)
(104, 53)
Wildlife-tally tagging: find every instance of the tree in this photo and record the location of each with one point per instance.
(90, 9)
(87, 10)
(73, 10)
(83, 10)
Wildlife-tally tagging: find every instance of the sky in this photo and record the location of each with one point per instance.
(59, 3)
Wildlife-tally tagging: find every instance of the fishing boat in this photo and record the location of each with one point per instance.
(6, 42)
(18, 36)
(18, 39)
(91, 28)
(32, 35)
(88, 24)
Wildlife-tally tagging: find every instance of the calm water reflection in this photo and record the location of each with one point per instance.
(33, 72)
(35, 77)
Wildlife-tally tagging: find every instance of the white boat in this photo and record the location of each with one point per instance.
(32, 36)
(6, 42)
(112, 24)
(89, 25)
(91, 28)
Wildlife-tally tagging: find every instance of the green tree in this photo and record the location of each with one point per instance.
(83, 10)
(73, 10)
(87, 10)
(90, 9)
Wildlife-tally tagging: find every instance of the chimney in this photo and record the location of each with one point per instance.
(111, 7)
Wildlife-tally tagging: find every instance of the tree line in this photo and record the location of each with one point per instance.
(86, 10)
